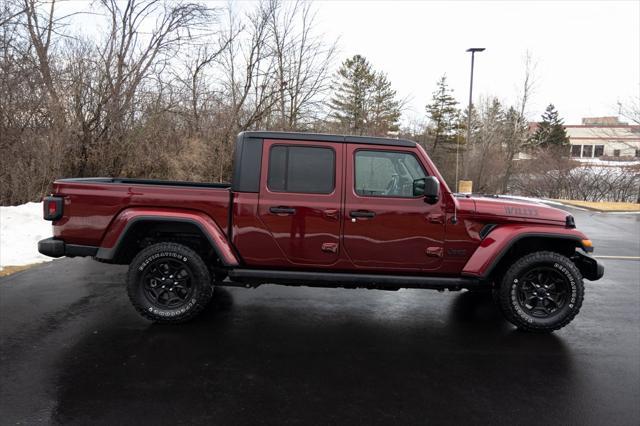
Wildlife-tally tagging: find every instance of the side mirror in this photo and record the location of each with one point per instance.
(428, 187)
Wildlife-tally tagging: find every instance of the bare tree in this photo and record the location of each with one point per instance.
(518, 123)
(302, 62)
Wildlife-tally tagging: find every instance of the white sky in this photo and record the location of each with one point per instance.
(587, 52)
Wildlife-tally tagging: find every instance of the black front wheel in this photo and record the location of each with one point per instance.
(169, 283)
(541, 292)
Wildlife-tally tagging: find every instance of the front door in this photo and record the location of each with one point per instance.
(385, 226)
(300, 199)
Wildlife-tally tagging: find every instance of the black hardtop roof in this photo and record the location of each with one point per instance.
(368, 140)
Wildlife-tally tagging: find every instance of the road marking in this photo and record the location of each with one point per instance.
(618, 257)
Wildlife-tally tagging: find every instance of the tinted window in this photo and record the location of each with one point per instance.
(386, 174)
(587, 151)
(301, 169)
(576, 150)
(599, 151)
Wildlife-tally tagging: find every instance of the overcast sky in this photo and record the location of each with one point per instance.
(587, 52)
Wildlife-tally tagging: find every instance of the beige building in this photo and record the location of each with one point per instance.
(604, 137)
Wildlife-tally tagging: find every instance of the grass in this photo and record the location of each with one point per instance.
(8, 270)
(604, 206)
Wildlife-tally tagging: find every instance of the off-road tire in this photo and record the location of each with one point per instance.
(509, 293)
(199, 283)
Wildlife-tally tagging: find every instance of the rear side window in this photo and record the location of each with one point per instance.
(301, 169)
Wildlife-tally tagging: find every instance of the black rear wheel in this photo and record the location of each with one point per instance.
(168, 282)
(541, 292)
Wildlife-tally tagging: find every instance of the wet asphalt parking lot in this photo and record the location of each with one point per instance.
(73, 351)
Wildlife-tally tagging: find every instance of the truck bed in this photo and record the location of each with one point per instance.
(91, 204)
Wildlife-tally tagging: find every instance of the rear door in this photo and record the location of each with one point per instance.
(385, 226)
(300, 199)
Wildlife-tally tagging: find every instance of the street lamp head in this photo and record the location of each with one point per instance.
(476, 49)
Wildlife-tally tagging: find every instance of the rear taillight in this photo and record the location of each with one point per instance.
(52, 207)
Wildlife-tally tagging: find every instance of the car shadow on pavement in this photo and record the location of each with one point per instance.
(298, 364)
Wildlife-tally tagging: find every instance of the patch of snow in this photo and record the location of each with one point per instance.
(607, 163)
(21, 227)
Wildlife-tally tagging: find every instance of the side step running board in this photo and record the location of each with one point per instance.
(254, 277)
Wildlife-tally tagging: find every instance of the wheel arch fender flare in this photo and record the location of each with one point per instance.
(123, 223)
(497, 244)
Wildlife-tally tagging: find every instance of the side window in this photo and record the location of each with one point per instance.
(599, 151)
(576, 150)
(301, 169)
(386, 173)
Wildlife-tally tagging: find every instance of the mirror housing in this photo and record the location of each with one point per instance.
(428, 187)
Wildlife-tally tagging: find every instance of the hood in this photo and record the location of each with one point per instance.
(505, 209)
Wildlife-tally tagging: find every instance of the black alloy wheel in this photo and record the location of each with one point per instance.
(167, 283)
(542, 291)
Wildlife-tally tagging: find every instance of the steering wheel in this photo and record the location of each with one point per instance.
(393, 185)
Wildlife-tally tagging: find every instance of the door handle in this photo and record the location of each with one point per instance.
(282, 210)
(361, 213)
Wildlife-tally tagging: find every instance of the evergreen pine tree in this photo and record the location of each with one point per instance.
(363, 99)
(385, 108)
(550, 132)
(444, 114)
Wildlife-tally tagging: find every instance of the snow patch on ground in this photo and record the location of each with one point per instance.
(21, 227)
(606, 163)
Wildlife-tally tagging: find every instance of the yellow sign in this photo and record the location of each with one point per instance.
(465, 186)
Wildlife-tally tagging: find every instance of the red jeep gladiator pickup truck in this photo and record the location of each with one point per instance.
(323, 210)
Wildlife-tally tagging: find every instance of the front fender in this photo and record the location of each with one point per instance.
(495, 245)
(119, 227)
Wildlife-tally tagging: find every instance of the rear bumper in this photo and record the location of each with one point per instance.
(590, 268)
(54, 247)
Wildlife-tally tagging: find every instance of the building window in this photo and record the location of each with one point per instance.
(599, 151)
(301, 169)
(587, 151)
(386, 173)
(616, 153)
(576, 150)
(638, 153)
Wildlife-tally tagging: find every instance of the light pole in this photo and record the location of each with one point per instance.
(473, 51)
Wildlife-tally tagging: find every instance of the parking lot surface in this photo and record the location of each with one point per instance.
(73, 351)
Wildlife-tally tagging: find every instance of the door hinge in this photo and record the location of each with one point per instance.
(434, 251)
(330, 247)
(435, 218)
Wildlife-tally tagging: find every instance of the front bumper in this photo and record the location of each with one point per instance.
(590, 268)
(54, 247)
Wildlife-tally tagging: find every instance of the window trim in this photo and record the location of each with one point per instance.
(395, 197)
(286, 172)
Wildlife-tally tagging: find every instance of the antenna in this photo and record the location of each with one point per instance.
(454, 219)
